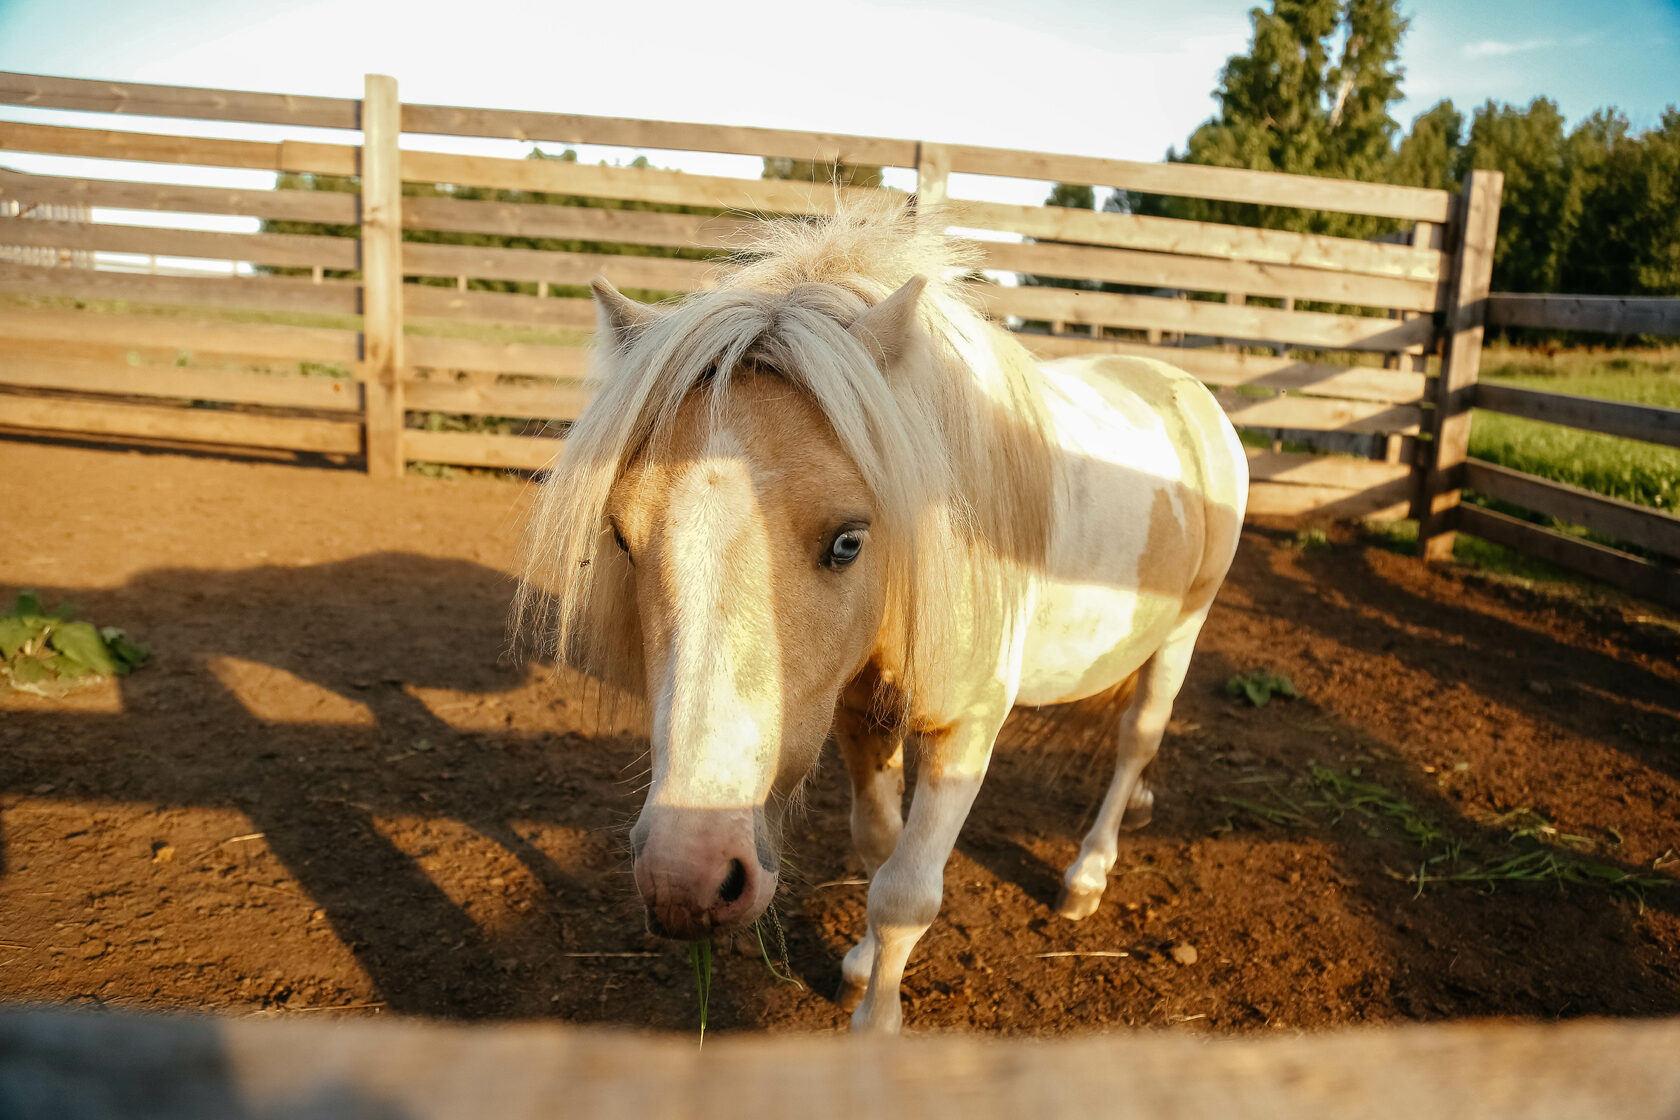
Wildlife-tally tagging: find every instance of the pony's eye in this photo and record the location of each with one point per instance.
(618, 538)
(844, 548)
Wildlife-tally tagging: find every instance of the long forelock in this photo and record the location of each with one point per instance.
(951, 442)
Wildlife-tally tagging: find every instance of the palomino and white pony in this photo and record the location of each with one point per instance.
(830, 499)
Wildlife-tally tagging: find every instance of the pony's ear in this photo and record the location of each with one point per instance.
(884, 329)
(617, 316)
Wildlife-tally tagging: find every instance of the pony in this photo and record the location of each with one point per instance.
(827, 499)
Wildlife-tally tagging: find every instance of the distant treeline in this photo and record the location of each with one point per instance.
(1592, 210)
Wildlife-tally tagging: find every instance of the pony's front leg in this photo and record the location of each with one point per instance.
(905, 892)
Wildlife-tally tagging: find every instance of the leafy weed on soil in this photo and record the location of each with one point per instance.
(1260, 686)
(48, 652)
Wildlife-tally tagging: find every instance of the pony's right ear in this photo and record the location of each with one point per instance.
(617, 316)
(885, 328)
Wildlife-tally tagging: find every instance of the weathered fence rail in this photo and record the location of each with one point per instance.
(1652, 530)
(405, 350)
(97, 1066)
(1363, 343)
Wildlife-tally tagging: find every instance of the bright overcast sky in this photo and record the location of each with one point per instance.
(1102, 77)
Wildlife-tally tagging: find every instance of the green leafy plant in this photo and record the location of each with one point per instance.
(1260, 686)
(49, 652)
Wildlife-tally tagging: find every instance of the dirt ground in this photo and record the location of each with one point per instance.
(331, 791)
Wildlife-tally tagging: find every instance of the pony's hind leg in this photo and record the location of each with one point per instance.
(875, 762)
(1128, 802)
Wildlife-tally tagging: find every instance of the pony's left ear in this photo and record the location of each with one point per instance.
(884, 330)
(617, 316)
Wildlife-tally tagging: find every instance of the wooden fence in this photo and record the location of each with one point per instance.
(111, 1065)
(411, 350)
(1651, 530)
(1297, 333)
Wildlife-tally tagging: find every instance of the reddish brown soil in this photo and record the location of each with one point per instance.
(331, 789)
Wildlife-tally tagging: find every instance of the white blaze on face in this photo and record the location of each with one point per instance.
(717, 710)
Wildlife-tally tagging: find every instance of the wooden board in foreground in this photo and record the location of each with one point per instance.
(87, 1066)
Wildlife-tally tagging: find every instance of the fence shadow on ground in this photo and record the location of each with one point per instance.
(375, 634)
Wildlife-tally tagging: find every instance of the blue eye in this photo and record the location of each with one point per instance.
(844, 548)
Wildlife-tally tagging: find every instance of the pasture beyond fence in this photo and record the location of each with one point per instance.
(1296, 333)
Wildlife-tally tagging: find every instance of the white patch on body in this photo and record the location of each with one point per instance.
(1092, 624)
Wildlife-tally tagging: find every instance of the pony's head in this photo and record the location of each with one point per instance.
(755, 506)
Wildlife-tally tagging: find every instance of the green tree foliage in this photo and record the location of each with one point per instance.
(1311, 97)
(1534, 214)
(1627, 239)
(1428, 155)
(1594, 209)
(293, 181)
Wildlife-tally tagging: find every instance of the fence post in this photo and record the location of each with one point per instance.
(1440, 468)
(382, 304)
(933, 168)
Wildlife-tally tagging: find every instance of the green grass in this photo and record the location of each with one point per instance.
(1633, 471)
(1518, 846)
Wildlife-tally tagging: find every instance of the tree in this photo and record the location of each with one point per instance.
(1285, 106)
(1534, 219)
(1627, 238)
(1428, 155)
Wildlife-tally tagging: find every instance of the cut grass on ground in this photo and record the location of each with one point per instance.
(1532, 849)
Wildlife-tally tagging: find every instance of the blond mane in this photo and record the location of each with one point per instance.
(952, 439)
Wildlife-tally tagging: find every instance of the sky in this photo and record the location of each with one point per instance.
(1110, 78)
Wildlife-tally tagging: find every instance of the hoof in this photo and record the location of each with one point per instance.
(849, 995)
(1075, 905)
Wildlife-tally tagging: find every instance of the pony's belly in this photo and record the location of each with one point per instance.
(1084, 639)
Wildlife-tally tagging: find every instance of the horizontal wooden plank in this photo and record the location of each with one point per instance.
(624, 270)
(567, 128)
(279, 249)
(142, 100)
(475, 449)
(560, 401)
(257, 340)
(332, 207)
(33, 370)
(149, 147)
(1216, 367)
(1317, 414)
(1244, 322)
(496, 357)
(1201, 239)
(1629, 573)
(1624, 521)
(195, 1066)
(426, 302)
(1386, 502)
(776, 196)
(198, 425)
(1616, 418)
(1306, 469)
(1229, 184)
(1209, 274)
(583, 223)
(1610, 314)
(270, 293)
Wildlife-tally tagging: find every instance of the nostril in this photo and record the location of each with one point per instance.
(735, 882)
